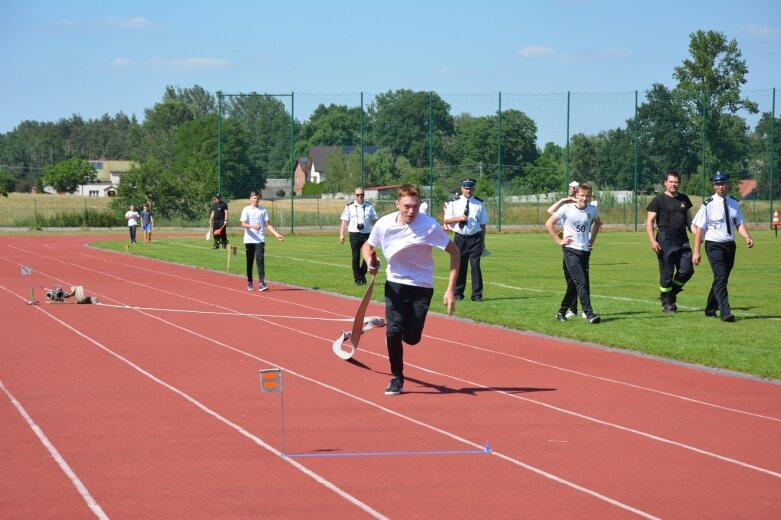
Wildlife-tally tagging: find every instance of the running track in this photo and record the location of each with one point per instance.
(128, 409)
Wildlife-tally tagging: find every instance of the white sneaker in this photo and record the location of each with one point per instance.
(583, 315)
(570, 314)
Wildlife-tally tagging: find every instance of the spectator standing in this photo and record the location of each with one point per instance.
(716, 222)
(218, 219)
(572, 311)
(467, 217)
(671, 211)
(254, 220)
(580, 226)
(357, 219)
(132, 217)
(147, 222)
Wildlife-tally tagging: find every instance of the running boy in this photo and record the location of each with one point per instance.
(407, 238)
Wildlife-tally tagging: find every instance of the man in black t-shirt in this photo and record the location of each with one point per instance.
(671, 211)
(219, 222)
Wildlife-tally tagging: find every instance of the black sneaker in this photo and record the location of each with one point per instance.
(458, 297)
(710, 314)
(216, 246)
(560, 316)
(669, 307)
(594, 319)
(730, 318)
(395, 387)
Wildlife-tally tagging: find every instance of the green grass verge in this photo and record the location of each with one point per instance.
(524, 285)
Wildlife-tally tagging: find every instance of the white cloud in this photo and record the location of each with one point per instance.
(760, 31)
(542, 53)
(537, 51)
(121, 63)
(135, 23)
(190, 63)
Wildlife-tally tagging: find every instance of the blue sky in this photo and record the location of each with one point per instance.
(94, 57)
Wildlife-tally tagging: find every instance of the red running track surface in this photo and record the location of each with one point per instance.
(148, 405)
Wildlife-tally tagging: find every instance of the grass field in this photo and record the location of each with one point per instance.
(524, 285)
(26, 210)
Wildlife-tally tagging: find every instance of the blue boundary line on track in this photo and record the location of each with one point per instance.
(484, 451)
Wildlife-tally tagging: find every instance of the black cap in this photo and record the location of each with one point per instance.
(468, 183)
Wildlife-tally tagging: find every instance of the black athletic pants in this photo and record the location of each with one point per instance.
(406, 307)
(471, 248)
(256, 253)
(576, 263)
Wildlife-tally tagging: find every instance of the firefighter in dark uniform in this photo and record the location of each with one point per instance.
(716, 222)
(671, 211)
(467, 217)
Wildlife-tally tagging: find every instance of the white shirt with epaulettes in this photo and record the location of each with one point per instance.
(710, 217)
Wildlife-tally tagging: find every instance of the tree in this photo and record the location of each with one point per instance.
(335, 125)
(666, 139)
(759, 165)
(709, 87)
(6, 182)
(66, 176)
(400, 120)
(265, 124)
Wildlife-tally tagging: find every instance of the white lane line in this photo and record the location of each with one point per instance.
(315, 476)
(606, 379)
(569, 412)
(58, 458)
(328, 484)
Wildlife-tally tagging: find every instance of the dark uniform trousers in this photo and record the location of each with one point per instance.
(675, 263)
(576, 265)
(721, 256)
(359, 266)
(223, 235)
(406, 307)
(471, 248)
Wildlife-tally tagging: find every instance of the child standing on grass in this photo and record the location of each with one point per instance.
(254, 220)
(132, 222)
(147, 221)
(577, 240)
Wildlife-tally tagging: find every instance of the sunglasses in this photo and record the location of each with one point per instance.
(359, 194)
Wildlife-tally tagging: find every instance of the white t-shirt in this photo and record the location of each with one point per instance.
(132, 218)
(355, 214)
(254, 215)
(576, 223)
(408, 248)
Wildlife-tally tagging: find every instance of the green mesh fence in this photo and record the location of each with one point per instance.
(308, 151)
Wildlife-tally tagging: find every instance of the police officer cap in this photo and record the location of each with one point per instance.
(719, 177)
(468, 183)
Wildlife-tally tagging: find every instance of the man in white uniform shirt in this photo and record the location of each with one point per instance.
(357, 219)
(580, 226)
(407, 238)
(467, 218)
(716, 222)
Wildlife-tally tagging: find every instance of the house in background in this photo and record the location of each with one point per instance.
(312, 167)
(108, 173)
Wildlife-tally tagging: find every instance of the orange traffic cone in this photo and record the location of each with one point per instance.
(776, 221)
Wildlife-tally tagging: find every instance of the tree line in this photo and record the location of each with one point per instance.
(193, 141)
